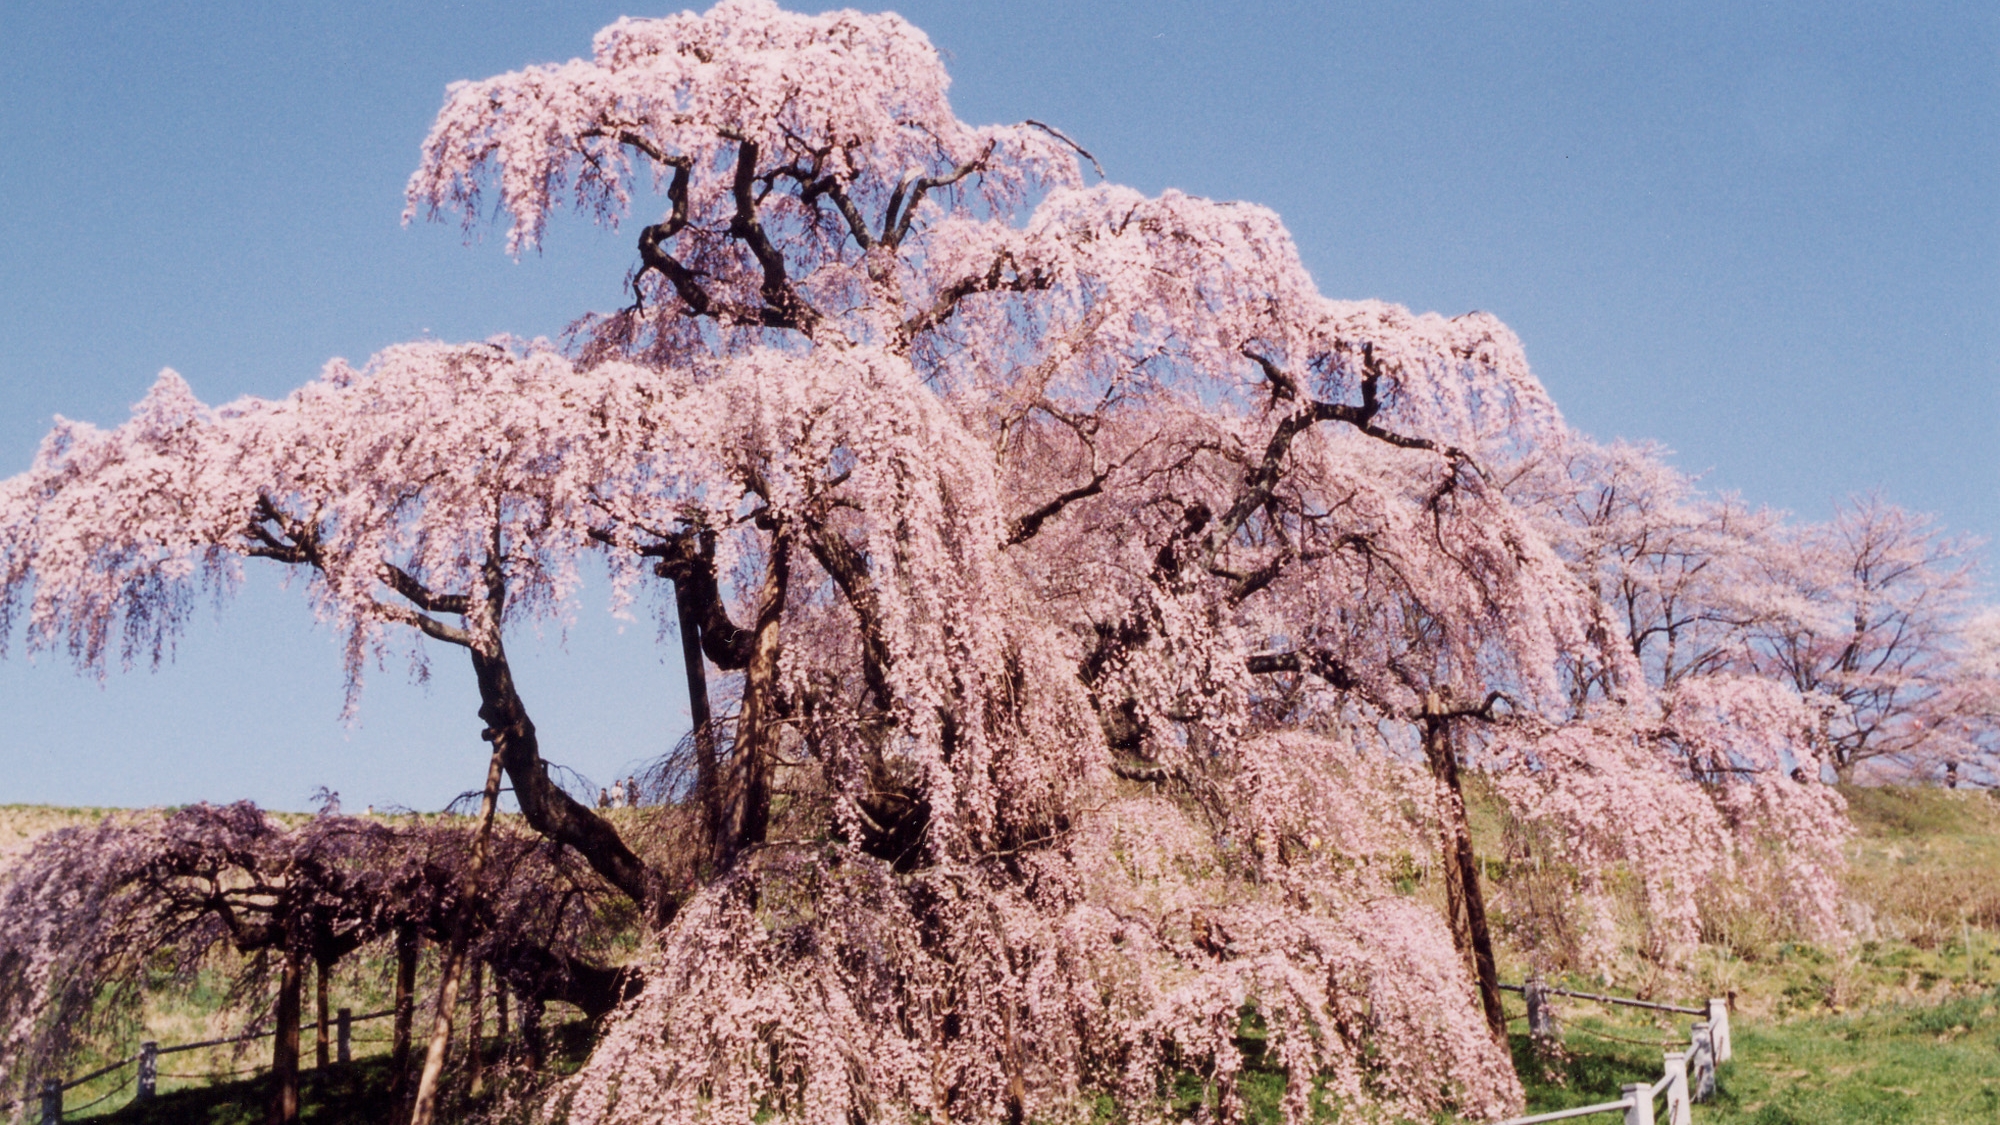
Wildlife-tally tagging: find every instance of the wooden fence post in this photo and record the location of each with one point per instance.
(344, 1035)
(1640, 1112)
(1718, 1029)
(1703, 1063)
(51, 1101)
(149, 1069)
(1678, 1110)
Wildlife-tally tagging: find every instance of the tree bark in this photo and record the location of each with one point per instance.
(284, 1098)
(756, 727)
(425, 1110)
(1464, 900)
(406, 989)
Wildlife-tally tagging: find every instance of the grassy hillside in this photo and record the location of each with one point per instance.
(1900, 1025)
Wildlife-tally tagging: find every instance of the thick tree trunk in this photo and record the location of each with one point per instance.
(425, 1110)
(284, 1098)
(544, 805)
(749, 819)
(1464, 900)
(406, 1002)
(322, 995)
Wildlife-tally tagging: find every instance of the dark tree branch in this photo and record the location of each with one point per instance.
(997, 278)
(687, 558)
(419, 595)
(783, 306)
(856, 225)
(1023, 528)
(1318, 661)
(910, 193)
(1058, 134)
(1261, 481)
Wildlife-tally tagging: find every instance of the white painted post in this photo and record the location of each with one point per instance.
(1640, 1112)
(1543, 1030)
(1702, 1063)
(1678, 1110)
(1718, 1029)
(149, 1069)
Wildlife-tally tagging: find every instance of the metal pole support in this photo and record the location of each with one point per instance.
(149, 1069)
(344, 1023)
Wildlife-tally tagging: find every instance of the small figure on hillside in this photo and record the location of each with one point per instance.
(618, 794)
(371, 811)
(603, 798)
(632, 792)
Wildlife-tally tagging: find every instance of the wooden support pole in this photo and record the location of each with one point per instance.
(475, 1061)
(406, 1000)
(51, 1101)
(283, 1108)
(1718, 1029)
(344, 1023)
(322, 996)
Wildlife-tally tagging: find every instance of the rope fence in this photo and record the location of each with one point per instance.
(149, 1073)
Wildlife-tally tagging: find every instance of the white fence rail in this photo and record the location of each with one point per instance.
(1688, 1075)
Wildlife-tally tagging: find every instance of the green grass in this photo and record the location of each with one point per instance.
(1923, 1065)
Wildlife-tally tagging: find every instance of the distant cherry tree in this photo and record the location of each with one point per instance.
(1074, 602)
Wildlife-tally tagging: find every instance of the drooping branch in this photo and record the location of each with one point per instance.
(546, 807)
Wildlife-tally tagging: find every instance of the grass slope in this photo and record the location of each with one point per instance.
(1898, 1026)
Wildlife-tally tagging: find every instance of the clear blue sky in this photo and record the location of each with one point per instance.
(1766, 235)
